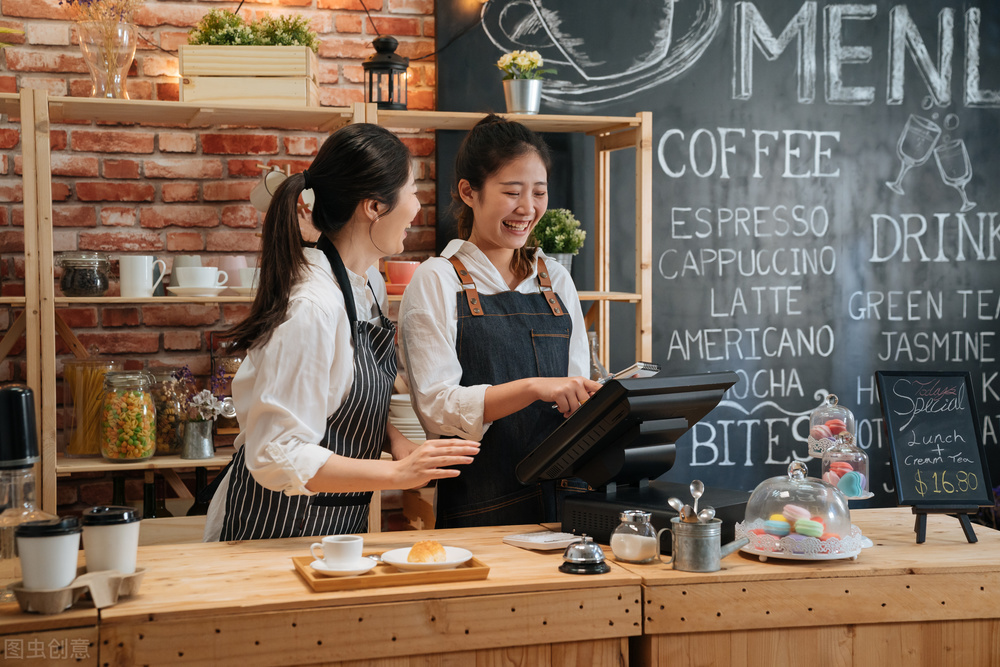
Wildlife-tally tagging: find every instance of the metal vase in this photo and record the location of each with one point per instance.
(522, 95)
(198, 441)
(564, 258)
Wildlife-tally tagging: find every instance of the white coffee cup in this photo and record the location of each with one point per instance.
(187, 260)
(200, 276)
(48, 550)
(136, 273)
(250, 277)
(263, 192)
(338, 550)
(110, 538)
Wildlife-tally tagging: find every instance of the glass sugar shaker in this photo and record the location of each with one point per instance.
(635, 540)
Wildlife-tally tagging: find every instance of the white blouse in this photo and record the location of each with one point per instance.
(428, 328)
(285, 390)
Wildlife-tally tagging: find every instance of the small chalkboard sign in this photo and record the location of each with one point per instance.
(937, 453)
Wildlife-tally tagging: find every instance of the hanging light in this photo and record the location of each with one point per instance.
(385, 74)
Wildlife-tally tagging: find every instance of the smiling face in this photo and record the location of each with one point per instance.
(509, 204)
(389, 230)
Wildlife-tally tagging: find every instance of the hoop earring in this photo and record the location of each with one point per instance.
(370, 226)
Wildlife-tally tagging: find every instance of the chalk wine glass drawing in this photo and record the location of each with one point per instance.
(914, 147)
(953, 162)
(604, 56)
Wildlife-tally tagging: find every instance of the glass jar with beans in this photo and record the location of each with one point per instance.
(84, 273)
(128, 422)
(170, 396)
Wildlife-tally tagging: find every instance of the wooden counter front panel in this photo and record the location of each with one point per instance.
(597, 617)
(800, 603)
(940, 644)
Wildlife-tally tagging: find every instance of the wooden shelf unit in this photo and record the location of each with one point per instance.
(40, 110)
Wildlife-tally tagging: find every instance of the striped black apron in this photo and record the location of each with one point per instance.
(357, 430)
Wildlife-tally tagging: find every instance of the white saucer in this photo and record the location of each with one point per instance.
(245, 291)
(346, 570)
(455, 557)
(195, 291)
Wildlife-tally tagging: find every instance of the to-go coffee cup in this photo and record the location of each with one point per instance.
(110, 538)
(338, 550)
(48, 550)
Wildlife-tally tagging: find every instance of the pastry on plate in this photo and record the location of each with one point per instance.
(427, 551)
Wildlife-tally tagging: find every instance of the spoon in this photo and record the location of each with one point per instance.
(688, 515)
(697, 491)
(676, 504)
(706, 515)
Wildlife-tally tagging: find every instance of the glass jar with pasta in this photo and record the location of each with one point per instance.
(83, 396)
(129, 417)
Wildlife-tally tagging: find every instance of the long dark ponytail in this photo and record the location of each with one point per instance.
(491, 144)
(358, 162)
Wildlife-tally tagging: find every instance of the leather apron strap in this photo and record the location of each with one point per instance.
(472, 295)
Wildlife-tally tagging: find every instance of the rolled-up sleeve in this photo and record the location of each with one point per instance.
(428, 328)
(283, 398)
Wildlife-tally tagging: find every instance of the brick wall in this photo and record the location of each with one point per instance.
(162, 190)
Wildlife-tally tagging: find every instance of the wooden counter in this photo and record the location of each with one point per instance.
(33, 639)
(899, 603)
(242, 603)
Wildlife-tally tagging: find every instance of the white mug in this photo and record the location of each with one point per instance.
(200, 276)
(250, 277)
(263, 192)
(338, 549)
(136, 273)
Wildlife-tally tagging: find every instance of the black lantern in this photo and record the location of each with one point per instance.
(385, 74)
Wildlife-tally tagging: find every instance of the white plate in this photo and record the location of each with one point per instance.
(764, 555)
(360, 567)
(245, 291)
(195, 291)
(866, 496)
(455, 555)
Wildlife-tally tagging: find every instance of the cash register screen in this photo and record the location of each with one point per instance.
(626, 430)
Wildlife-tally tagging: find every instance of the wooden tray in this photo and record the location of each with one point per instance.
(384, 574)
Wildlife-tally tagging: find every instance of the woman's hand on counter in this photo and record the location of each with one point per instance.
(428, 461)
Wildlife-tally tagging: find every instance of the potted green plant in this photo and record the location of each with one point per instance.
(267, 62)
(559, 236)
(522, 81)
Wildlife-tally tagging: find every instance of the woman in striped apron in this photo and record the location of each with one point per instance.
(493, 333)
(312, 395)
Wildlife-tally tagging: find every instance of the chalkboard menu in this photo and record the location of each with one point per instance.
(936, 451)
(824, 200)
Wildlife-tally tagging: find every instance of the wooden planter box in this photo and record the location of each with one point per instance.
(262, 76)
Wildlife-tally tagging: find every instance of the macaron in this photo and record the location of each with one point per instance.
(818, 519)
(841, 467)
(829, 536)
(820, 431)
(794, 512)
(776, 527)
(831, 478)
(851, 484)
(809, 528)
(798, 543)
(836, 426)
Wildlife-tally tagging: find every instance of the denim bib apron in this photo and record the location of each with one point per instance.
(357, 430)
(501, 338)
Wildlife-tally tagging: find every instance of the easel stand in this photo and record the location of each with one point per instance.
(960, 513)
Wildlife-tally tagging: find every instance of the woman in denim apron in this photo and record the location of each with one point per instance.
(312, 395)
(493, 333)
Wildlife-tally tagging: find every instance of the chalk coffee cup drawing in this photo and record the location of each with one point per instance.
(205, 277)
(110, 538)
(263, 192)
(338, 550)
(136, 275)
(48, 550)
(250, 277)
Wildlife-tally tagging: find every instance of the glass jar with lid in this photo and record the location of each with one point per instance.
(170, 397)
(846, 467)
(84, 273)
(830, 424)
(83, 392)
(129, 417)
(635, 540)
